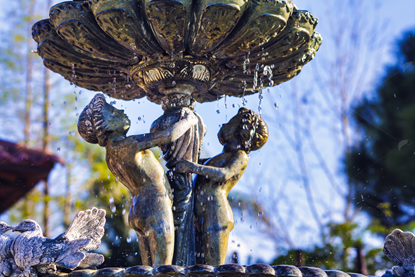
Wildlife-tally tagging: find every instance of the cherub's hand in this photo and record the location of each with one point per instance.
(184, 167)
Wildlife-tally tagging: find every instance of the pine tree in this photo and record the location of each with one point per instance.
(381, 166)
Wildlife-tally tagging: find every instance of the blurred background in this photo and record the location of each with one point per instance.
(335, 177)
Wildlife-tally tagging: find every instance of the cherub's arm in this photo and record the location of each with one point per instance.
(220, 174)
(150, 140)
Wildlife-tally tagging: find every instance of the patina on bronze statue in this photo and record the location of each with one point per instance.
(243, 133)
(131, 161)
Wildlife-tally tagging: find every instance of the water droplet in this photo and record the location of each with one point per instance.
(260, 214)
(276, 106)
(72, 133)
(172, 65)
(129, 239)
(111, 200)
(127, 86)
(113, 209)
(123, 211)
(217, 111)
(59, 149)
(173, 83)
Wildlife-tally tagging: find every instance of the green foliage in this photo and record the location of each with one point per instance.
(381, 165)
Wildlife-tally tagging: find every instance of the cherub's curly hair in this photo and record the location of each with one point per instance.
(91, 124)
(252, 131)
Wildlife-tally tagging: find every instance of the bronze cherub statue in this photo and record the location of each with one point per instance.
(245, 132)
(130, 159)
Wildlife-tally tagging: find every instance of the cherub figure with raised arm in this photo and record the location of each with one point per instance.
(245, 132)
(130, 159)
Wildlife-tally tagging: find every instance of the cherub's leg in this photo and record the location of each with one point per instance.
(161, 242)
(144, 250)
(215, 244)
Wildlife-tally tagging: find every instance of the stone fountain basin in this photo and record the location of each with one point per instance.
(229, 270)
(145, 48)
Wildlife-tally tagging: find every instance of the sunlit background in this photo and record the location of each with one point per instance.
(335, 177)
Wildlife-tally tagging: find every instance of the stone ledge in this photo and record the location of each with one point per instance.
(228, 270)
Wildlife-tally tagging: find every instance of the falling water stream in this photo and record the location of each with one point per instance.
(114, 83)
(172, 64)
(73, 74)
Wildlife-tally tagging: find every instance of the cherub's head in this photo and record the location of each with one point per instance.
(245, 131)
(99, 119)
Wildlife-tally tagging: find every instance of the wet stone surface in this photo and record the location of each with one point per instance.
(229, 270)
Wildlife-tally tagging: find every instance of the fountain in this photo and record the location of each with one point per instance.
(177, 53)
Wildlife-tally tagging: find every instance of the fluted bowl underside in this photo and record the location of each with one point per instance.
(206, 48)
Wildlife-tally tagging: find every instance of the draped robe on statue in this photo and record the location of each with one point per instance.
(187, 148)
